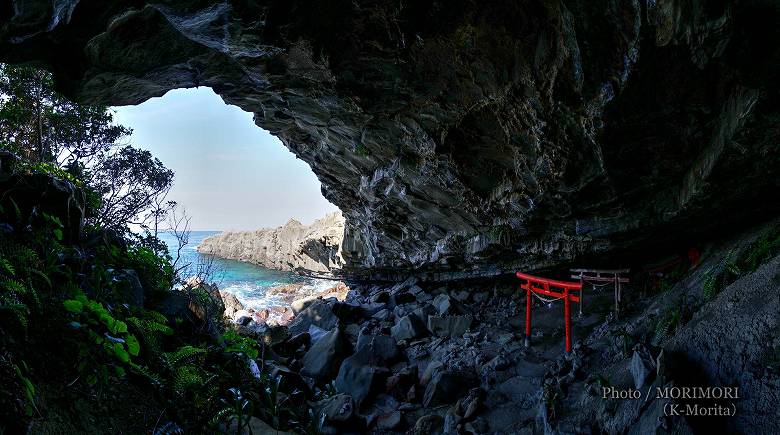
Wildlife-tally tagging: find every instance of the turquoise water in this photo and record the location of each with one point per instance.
(247, 281)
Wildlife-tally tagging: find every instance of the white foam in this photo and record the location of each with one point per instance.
(254, 296)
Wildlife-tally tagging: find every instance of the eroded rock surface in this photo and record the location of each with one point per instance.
(465, 137)
(293, 246)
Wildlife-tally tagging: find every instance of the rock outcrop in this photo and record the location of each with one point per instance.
(293, 246)
(464, 137)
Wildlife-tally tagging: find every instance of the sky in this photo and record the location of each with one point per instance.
(230, 174)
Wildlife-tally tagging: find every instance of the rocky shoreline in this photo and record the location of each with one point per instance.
(314, 248)
(434, 358)
(295, 296)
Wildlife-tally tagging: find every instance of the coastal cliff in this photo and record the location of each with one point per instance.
(293, 246)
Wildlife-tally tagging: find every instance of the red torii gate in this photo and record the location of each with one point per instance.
(543, 286)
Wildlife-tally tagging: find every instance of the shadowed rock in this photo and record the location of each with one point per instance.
(493, 136)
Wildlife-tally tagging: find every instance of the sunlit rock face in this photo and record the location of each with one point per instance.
(293, 246)
(464, 136)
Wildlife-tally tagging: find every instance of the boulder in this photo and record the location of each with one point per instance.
(370, 310)
(243, 318)
(406, 284)
(480, 297)
(382, 315)
(37, 197)
(381, 297)
(295, 343)
(402, 298)
(443, 303)
(323, 358)
(389, 421)
(175, 305)
(290, 380)
(355, 378)
(205, 300)
(449, 326)
(338, 408)
(429, 425)
(399, 384)
(251, 329)
(641, 368)
(319, 314)
(299, 305)
(382, 348)
(231, 302)
(430, 371)
(408, 327)
(445, 387)
(286, 292)
(316, 333)
(272, 335)
(358, 377)
(461, 295)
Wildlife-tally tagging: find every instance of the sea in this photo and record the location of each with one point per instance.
(247, 281)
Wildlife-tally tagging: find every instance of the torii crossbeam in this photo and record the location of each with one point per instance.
(604, 276)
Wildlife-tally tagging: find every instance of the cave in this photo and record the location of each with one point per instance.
(462, 139)
(573, 131)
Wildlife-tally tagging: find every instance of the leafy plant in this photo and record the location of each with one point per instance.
(272, 402)
(103, 331)
(237, 408)
(711, 286)
(150, 326)
(315, 423)
(237, 344)
(29, 389)
(666, 326)
(624, 341)
(736, 265)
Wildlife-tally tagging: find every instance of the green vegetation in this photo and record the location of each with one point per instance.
(94, 335)
(167, 358)
(738, 264)
(667, 325)
(624, 342)
(81, 144)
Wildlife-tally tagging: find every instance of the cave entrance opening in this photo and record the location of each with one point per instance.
(229, 173)
(249, 201)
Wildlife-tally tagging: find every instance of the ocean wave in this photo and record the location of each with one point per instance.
(253, 295)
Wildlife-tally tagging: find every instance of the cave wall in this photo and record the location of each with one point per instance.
(464, 137)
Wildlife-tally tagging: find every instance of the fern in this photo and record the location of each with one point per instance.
(184, 354)
(150, 331)
(13, 286)
(36, 300)
(710, 286)
(42, 276)
(222, 416)
(151, 376)
(7, 267)
(156, 317)
(186, 377)
(14, 310)
(666, 326)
